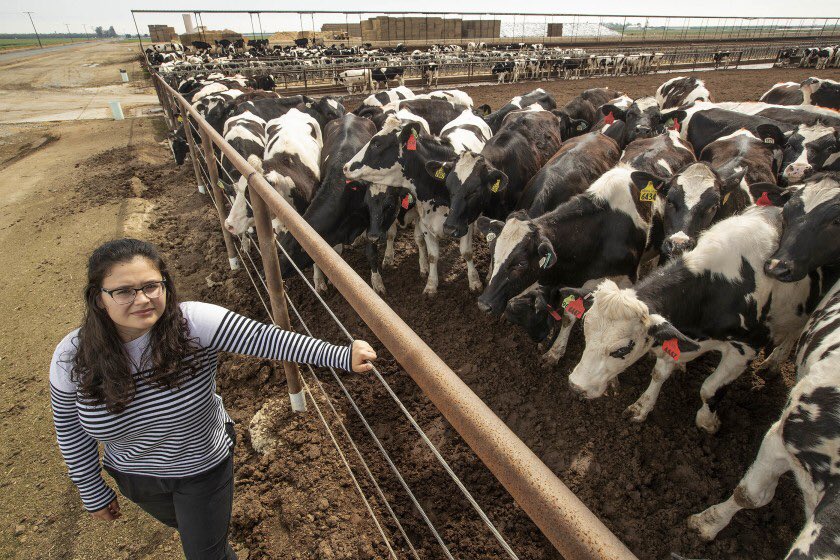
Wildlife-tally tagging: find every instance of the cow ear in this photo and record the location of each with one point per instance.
(771, 134)
(670, 340)
(617, 112)
(769, 194)
(439, 169)
(642, 180)
(490, 229)
(579, 125)
(496, 180)
(545, 249)
(672, 116)
(484, 110)
(575, 301)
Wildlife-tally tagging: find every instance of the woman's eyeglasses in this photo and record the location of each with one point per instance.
(126, 296)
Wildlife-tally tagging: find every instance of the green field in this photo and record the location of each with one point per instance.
(9, 44)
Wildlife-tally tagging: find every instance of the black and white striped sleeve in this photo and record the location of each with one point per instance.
(79, 449)
(234, 333)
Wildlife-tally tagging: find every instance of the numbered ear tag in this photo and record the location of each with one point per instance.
(648, 194)
(672, 348)
(406, 201)
(490, 237)
(495, 186)
(180, 119)
(553, 312)
(574, 305)
(676, 125)
(545, 262)
(581, 127)
(411, 144)
(763, 200)
(609, 119)
(726, 198)
(440, 173)
(769, 141)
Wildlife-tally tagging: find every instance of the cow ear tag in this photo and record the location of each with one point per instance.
(672, 348)
(676, 125)
(440, 173)
(180, 119)
(581, 127)
(545, 262)
(574, 305)
(553, 312)
(406, 201)
(411, 144)
(490, 237)
(769, 140)
(495, 186)
(648, 194)
(609, 119)
(763, 200)
(726, 198)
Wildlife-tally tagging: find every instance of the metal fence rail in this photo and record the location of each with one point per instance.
(567, 523)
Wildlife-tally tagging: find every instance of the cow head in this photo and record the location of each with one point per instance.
(532, 311)
(569, 126)
(384, 204)
(619, 329)
(811, 221)
(521, 251)
(810, 149)
(241, 216)
(380, 161)
(692, 199)
(471, 184)
(180, 147)
(643, 119)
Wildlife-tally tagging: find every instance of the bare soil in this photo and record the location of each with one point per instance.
(97, 180)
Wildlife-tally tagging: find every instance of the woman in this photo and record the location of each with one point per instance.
(140, 376)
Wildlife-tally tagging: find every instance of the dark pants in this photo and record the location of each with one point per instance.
(198, 506)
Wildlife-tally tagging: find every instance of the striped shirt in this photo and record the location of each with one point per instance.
(167, 433)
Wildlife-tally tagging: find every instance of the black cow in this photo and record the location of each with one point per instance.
(784, 93)
(538, 96)
(381, 76)
(721, 58)
(643, 119)
(680, 91)
(824, 93)
(337, 211)
(707, 125)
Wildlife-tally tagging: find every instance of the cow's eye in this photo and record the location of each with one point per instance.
(620, 353)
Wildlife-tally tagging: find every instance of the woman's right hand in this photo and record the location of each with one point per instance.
(109, 513)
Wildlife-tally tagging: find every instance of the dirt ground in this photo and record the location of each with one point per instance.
(66, 187)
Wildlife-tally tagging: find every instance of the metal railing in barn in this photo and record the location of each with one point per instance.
(567, 523)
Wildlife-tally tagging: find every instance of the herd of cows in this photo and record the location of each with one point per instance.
(670, 225)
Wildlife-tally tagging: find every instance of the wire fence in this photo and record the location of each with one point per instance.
(568, 524)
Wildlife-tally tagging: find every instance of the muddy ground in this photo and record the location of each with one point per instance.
(68, 187)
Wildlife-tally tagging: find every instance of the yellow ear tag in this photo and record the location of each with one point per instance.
(496, 185)
(725, 198)
(648, 194)
(180, 119)
(440, 173)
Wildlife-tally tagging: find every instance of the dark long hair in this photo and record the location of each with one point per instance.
(101, 364)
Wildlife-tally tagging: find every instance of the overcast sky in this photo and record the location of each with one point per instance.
(52, 15)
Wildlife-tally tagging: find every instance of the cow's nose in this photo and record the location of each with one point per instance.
(777, 268)
(484, 307)
(373, 236)
(798, 170)
(229, 227)
(450, 230)
(576, 390)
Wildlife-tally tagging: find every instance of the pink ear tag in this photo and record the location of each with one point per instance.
(672, 348)
(553, 312)
(609, 119)
(763, 200)
(411, 144)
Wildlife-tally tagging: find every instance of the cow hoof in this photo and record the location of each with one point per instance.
(388, 261)
(636, 412)
(549, 360)
(707, 420)
(430, 291)
(704, 524)
(377, 284)
(321, 287)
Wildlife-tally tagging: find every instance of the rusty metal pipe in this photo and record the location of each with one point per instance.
(570, 526)
(274, 284)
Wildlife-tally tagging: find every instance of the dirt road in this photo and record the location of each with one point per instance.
(73, 83)
(46, 232)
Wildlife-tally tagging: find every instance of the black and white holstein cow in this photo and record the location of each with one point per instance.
(337, 212)
(409, 160)
(713, 298)
(491, 182)
(823, 93)
(681, 91)
(291, 161)
(783, 93)
(360, 79)
(805, 439)
(643, 119)
(604, 232)
(382, 75)
(717, 187)
(246, 134)
(538, 96)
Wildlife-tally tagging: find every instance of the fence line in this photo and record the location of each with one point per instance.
(568, 524)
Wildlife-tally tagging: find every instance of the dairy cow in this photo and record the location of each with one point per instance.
(735, 309)
(360, 79)
(246, 134)
(642, 119)
(784, 93)
(381, 76)
(538, 96)
(681, 91)
(823, 93)
(491, 182)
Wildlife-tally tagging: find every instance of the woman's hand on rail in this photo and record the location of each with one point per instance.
(360, 354)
